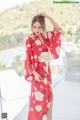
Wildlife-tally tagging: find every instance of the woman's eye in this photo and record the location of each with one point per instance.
(39, 27)
(34, 27)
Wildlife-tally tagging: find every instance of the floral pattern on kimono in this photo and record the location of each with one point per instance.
(38, 57)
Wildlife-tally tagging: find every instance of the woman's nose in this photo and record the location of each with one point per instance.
(37, 29)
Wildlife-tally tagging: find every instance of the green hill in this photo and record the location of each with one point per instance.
(15, 22)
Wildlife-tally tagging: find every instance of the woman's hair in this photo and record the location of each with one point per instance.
(40, 19)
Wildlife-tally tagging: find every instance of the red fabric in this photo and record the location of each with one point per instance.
(41, 92)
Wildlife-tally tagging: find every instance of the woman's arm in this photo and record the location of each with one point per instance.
(55, 25)
(53, 37)
(29, 64)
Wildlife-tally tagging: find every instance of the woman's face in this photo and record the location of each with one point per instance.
(37, 28)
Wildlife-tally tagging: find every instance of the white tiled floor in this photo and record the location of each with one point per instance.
(66, 101)
(66, 104)
(14, 93)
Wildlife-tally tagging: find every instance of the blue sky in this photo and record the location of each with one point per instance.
(5, 4)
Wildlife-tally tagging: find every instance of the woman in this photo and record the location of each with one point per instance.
(41, 46)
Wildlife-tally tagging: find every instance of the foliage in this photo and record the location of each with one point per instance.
(15, 23)
(7, 41)
(2, 67)
(18, 65)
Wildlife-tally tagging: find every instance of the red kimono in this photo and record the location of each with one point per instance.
(38, 58)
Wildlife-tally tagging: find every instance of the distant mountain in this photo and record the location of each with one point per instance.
(15, 22)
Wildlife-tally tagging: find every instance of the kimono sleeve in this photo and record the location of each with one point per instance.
(54, 43)
(29, 61)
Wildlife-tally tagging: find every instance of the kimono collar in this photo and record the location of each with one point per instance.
(42, 34)
(46, 42)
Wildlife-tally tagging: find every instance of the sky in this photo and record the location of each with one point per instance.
(6, 4)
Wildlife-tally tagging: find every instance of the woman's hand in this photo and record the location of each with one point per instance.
(43, 14)
(37, 76)
(55, 25)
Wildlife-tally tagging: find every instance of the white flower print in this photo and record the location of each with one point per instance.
(39, 96)
(31, 109)
(38, 42)
(33, 101)
(32, 94)
(57, 41)
(45, 68)
(58, 50)
(51, 45)
(49, 35)
(41, 86)
(38, 108)
(35, 56)
(28, 45)
(44, 117)
(39, 49)
(35, 64)
(32, 36)
(45, 81)
(29, 78)
(31, 57)
(48, 104)
(45, 34)
(35, 89)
